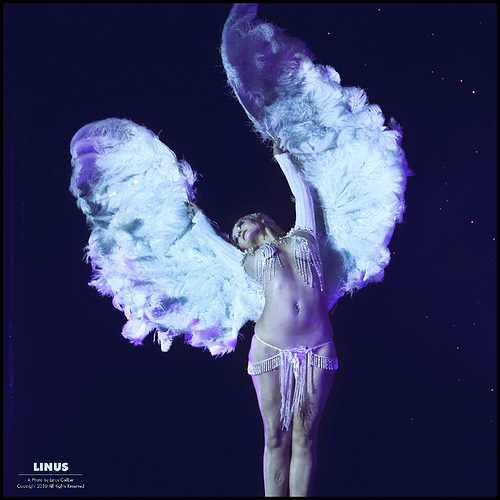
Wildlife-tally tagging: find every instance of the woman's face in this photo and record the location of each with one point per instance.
(246, 232)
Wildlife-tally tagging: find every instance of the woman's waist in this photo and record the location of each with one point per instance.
(268, 344)
(295, 300)
(293, 333)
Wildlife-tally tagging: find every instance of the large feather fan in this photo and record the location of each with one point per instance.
(351, 158)
(144, 249)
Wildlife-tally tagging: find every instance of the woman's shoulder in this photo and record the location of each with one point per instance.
(301, 232)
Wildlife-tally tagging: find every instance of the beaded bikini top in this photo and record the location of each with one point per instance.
(306, 256)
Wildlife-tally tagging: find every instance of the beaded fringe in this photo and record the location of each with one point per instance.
(323, 362)
(307, 258)
(268, 365)
(305, 255)
(266, 262)
(294, 365)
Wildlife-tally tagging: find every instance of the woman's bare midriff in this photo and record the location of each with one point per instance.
(295, 312)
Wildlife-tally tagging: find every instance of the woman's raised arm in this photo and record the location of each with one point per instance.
(304, 205)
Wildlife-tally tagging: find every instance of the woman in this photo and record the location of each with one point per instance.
(295, 319)
(292, 358)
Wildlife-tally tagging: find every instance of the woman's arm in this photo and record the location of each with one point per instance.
(226, 252)
(304, 206)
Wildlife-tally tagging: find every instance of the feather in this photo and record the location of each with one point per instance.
(352, 160)
(144, 250)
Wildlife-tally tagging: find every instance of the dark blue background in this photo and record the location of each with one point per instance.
(413, 409)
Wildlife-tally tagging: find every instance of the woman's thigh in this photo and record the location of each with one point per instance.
(267, 388)
(306, 421)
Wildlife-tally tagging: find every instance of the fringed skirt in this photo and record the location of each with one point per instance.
(294, 377)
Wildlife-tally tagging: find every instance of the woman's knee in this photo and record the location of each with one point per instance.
(275, 437)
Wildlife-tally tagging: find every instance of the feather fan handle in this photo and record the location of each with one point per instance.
(144, 250)
(355, 162)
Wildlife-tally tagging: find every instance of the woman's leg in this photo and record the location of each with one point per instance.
(276, 440)
(305, 429)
